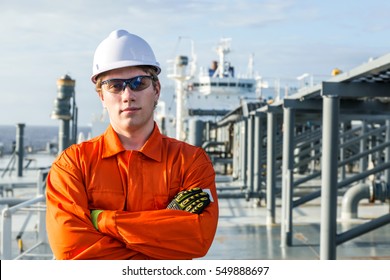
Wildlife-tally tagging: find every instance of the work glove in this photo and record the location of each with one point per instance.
(94, 217)
(194, 201)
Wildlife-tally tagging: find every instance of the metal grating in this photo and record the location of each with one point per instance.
(381, 77)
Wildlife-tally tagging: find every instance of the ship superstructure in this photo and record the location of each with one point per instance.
(210, 94)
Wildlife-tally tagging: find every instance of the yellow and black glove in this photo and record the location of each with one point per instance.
(194, 201)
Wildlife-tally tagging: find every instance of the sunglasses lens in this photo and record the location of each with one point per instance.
(137, 83)
(140, 83)
(114, 85)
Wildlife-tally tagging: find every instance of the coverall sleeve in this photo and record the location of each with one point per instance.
(69, 227)
(169, 234)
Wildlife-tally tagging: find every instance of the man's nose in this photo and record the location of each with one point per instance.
(127, 92)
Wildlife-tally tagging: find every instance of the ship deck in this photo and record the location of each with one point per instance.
(242, 233)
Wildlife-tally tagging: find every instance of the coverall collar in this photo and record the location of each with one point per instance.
(152, 148)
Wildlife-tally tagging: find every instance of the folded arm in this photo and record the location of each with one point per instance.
(163, 234)
(69, 227)
(156, 234)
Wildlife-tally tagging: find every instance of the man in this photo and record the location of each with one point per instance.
(131, 193)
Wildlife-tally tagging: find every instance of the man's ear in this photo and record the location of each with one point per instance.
(100, 94)
(157, 90)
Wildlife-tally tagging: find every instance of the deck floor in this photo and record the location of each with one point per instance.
(243, 234)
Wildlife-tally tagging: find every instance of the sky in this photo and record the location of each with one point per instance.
(42, 40)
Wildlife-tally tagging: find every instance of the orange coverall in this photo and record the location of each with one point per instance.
(134, 188)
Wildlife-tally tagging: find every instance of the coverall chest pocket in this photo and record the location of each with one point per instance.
(164, 194)
(161, 200)
(106, 192)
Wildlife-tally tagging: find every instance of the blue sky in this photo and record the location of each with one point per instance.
(42, 40)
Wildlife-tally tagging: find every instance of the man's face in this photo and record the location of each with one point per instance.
(129, 110)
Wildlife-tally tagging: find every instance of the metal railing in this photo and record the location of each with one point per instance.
(34, 207)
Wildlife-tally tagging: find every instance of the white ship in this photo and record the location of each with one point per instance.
(207, 95)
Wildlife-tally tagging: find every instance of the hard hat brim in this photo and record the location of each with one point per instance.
(123, 64)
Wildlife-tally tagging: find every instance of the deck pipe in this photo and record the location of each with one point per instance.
(373, 192)
(19, 148)
(351, 199)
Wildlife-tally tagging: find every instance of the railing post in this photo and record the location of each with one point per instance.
(250, 156)
(287, 176)
(331, 110)
(387, 152)
(42, 234)
(271, 167)
(6, 239)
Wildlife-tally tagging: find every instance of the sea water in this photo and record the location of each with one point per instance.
(36, 138)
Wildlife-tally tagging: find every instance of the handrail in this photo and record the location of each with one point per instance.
(8, 168)
(363, 136)
(36, 204)
(6, 242)
(362, 229)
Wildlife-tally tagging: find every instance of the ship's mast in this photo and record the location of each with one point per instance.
(179, 75)
(223, 49)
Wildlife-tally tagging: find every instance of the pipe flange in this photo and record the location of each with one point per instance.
(372, 190)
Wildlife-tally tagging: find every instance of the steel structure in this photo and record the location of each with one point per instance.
(328, 134)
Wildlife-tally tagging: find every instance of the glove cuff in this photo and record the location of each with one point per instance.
(94, 217)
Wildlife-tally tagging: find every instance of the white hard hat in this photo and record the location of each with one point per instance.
(122, 49)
